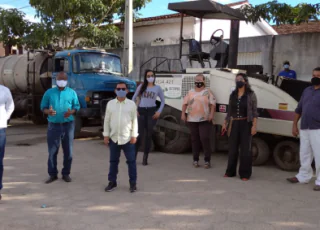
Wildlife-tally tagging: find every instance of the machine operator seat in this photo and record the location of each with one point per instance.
(220, 53)
(196, 54)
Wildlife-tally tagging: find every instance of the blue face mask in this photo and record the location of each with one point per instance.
(121, 93)
(286, 66)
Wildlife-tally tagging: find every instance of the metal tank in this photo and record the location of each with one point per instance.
(14, 75)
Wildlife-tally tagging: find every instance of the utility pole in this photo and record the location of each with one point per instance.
(128, 38)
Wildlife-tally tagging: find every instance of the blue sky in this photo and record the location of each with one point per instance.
(155, 8)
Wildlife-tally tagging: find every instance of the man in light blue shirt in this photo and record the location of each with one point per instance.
(287, 72)
(60, 104)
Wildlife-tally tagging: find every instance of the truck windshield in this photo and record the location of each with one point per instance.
(96, 62)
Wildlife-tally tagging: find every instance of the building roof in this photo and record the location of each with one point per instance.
(310, 27)
(178, 15)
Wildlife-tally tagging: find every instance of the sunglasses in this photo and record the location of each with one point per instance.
(123, 89)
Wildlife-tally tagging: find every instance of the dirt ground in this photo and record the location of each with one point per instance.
(171, 193)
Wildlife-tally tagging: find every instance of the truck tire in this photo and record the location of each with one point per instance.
(260, 151)
(175, 141)
(286, 155)
(77, 127)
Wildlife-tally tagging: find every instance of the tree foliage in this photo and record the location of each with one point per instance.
(84, 19)
(12, 27)
(282, 13)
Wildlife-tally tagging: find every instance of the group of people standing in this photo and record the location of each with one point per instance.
(129, 123)
(240, 123)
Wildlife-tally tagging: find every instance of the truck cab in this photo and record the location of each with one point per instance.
(93, 74)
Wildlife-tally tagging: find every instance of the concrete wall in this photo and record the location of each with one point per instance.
(2, 50)
(302, 50)
(169, 32)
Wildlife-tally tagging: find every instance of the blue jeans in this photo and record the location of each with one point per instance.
(129, 152)
(2, 147)
(57, 132)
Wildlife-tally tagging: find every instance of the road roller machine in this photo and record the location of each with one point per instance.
(275, 106)
(92, 73)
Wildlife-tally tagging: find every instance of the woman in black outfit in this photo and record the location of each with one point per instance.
(241, 125)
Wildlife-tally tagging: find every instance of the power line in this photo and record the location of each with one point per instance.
(24, 7)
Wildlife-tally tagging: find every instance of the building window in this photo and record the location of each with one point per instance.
(157, 42)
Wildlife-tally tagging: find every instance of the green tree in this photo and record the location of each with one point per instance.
(84, 19)
(12, 27)
(282, 13)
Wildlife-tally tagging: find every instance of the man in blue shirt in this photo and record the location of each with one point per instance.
(287, 72)
(60, 104)
(309, 111)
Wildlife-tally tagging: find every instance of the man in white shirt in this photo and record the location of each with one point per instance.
(6, 109)
(120, 133)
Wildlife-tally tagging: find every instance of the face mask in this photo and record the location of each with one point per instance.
(240, 84)
(199, 84)
(61, 83)
(315, 81)
(286, 66)
(121, 93)
(150, 79)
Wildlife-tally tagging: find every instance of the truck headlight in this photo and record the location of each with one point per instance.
(96, 96)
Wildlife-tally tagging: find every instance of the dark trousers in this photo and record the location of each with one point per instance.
(240, 136)
(2, 147)
(129, 152)
(64, 133)
(200, 136)
(145, 128)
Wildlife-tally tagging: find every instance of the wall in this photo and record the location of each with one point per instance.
(2, 50)
(170, 32)
(209, 26)
(302, 50)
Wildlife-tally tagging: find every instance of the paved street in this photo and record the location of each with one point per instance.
(171, 193)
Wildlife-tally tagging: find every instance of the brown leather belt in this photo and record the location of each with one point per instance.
(234, 119)
(240, 118)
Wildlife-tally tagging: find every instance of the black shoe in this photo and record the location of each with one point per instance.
(66, 178)
(145, 159)
(51, 179)
(133, 187)
(111, 186)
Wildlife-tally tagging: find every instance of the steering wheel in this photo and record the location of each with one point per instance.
(215, 40)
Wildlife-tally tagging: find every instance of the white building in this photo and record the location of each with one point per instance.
(165, 29)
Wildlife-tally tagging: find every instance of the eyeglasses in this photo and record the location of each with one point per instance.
(123, 89)
(197, 82)
(149, 76)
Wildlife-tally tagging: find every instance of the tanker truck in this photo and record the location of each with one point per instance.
(92, 73)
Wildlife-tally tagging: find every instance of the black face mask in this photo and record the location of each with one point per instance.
(240, 84)
(199, 84)
(315, 81)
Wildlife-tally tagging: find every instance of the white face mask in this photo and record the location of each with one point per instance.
(61, 83)
(150, 79)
